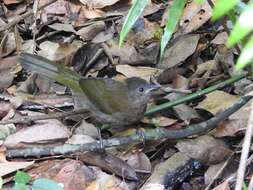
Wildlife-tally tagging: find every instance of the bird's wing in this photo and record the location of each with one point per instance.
(108, 95)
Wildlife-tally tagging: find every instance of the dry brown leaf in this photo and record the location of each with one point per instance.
(109, 162)
(87, 129)
(207, 69)
(89, 32)
(5, 109)
(92, 13)
(9, 2)
(163, 168)
(217, 101)
(74, 175)
(212, 172)
(177, 51)
(80, 139)
(126, 54)
(160, 121)
(223, 186)
(194, 16)
(57, 8)
(142, 32)
(8, 43)
(105, 182)
(98, 3)
(183, 111)
(180, 82)
(220, 38)
(230, 128)
(62, 27)
(242, 113)
(9, 167)
(46, 131)
(56, 51)
(139, 161)
(204, 148)
(142, 72)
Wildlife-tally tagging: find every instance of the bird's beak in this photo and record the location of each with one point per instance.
(153, 87)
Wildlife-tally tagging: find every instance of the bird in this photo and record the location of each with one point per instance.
(109, 101)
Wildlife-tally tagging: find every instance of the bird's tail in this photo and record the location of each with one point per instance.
(51, 70)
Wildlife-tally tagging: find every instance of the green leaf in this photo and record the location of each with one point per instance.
(19, 186)
(174, 14)
(242, 27)
(22, 177)
(46, 184)
(222, 7)
(199, 1)
(246, 55)
(133, 14)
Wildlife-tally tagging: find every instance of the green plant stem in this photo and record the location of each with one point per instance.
(194, 95)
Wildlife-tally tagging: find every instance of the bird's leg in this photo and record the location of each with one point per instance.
(141, 133)
(101, 145)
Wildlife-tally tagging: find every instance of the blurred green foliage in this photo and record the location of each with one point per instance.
(22, 179)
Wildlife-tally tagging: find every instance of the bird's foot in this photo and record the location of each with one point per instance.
(101, 147)
(141, 133)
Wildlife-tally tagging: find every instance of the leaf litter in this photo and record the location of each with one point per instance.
(83, 35)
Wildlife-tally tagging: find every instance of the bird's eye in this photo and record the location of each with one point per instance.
(141, 89)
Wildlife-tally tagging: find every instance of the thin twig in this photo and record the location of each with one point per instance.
(23, 16)
(150, 134)
(29, 119)
(245, 152)
(195, 95)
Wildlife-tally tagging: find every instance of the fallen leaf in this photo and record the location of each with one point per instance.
(80, 139)
(163, 168)
(177, 51)
(211, 172)
(105, 182)
(46, 131)
(159, 121)
(74, 175)
(58, 51)
(87, 129)
(204, 148)
(223, 186)
(98, 3)
(9, 2)
(142, 72)
(110, 163)
(9, 67)
(126, 54)
(208, 68)
(230, 128)
(217, 101)
(62, 27)
(194, 16)
(89, 32)
(9, 167)
(220, 38)
(139, 161)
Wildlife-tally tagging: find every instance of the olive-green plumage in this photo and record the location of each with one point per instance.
(109, 101)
